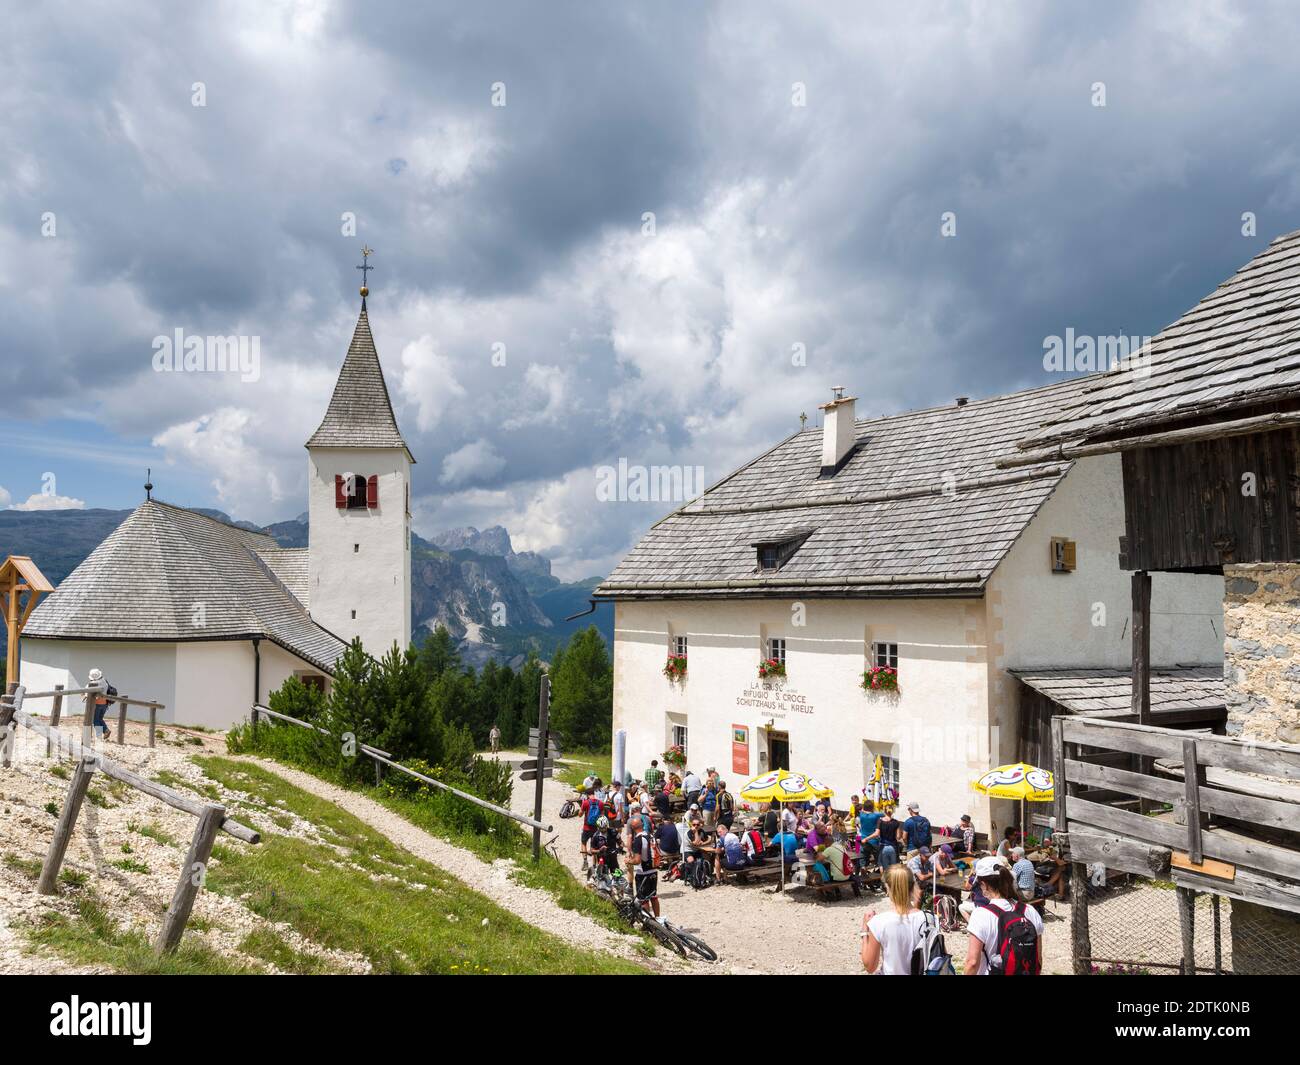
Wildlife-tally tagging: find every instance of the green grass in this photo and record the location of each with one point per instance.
(30, 866)
(268, 945)
(92, 937)
(580, 764)
(153, 831)
(406, 916)
(130, 865)
(548, 875)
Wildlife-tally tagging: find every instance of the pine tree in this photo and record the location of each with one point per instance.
(582, 691)
(438, 654)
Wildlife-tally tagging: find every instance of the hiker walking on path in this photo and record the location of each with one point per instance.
(494, 738)
(102, 700)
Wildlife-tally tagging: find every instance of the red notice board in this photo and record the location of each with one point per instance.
(740, 749)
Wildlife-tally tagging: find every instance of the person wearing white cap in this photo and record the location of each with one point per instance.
(1005, 934)
(96, 677)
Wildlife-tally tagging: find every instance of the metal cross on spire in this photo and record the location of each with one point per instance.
(365, 268)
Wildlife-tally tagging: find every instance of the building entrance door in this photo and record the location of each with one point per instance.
(778, 750)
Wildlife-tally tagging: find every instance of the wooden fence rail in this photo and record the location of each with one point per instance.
(122, 702)
(1234, 834)
(211, 818)
(384, 758)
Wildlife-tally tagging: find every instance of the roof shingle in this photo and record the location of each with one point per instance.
(919, 509)
(167, 573)
(360, 413)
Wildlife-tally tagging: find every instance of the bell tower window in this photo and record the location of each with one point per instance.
(356, 491)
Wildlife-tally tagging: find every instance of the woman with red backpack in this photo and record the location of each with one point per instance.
(1006, 935)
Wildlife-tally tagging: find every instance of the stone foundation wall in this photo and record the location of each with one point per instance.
(1261, 662)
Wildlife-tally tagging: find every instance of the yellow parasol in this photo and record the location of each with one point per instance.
(780, 785)
(1020, 781)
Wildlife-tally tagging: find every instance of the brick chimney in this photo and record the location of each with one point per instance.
(838, 432)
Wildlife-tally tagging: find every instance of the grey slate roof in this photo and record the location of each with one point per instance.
(882, 526)
(1110, 691)
(1238, 347)
(289, 565)
(360, 413)
(144, 581)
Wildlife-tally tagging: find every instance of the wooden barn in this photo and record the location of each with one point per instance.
(1206, 420)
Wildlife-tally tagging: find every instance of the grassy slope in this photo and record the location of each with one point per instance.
(369, 897)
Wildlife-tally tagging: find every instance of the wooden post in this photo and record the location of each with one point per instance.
(121, 722)
(153, 723)
(254, 717)
(7, 727)
(56, 712)
(192, 877)
(85, 769)
(1187, 924)
(1192, 800)
(88, 721)
(543, 749)
(1080, 930)
(1141, 701)
(1218, 936)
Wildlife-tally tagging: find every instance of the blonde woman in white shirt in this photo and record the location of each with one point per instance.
(890, 937)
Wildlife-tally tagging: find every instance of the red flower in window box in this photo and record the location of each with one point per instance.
(675, 667)
(675, 756)
(770, 667)
(880, 679)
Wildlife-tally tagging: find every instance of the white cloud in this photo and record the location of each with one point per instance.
(5, 497)
(220, 444)
(471, 462)
(42, 501)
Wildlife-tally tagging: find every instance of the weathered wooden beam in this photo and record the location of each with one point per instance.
(48, 884)
(150, 787)
(1192, 800)
(1215, 842)
(192, 876)
(1246, 886)
(1213, 431)
(1271, 759)
(1118, 852)
(121, 722)
(1268, 813)
(56, 712)
(1187, 925)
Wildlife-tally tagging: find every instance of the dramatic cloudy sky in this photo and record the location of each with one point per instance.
(775, 225)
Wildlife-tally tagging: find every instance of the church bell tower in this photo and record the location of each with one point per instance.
(359, 504)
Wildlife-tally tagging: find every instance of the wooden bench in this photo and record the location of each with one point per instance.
(757, 872)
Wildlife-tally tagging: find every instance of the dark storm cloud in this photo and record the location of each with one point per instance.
(776, 225)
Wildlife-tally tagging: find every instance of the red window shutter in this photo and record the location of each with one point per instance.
(340, 497)
(372, 490)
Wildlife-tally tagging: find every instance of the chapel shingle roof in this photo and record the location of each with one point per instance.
(167, 573)
(1238, 347)
(360, 413)
(918, 509)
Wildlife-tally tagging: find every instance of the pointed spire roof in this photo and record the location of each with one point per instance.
(360, 413)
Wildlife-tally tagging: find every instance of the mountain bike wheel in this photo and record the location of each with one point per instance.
(694, 944)
(666, 937)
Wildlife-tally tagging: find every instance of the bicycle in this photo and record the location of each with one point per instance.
(634, 914)
(693, 942)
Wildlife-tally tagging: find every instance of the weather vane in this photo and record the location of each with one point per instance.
(365, 268)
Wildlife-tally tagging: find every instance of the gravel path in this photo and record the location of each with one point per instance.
(756, 930)
(533, 905)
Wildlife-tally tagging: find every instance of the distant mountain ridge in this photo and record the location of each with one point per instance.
(498, 603)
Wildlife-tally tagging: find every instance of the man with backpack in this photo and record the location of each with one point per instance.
(592, 811)
(917, 828)
(102, 700)
(645, 875)
(726, 806)
(1006, 935)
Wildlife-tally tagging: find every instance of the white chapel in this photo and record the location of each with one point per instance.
(207, 617)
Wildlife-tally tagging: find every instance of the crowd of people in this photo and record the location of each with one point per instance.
(866, 848)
